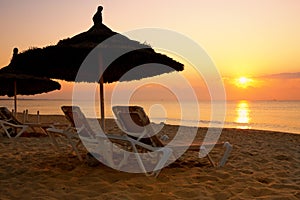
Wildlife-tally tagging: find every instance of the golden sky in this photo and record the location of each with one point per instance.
(255, 39)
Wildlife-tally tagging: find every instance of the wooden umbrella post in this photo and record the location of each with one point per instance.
(102, 104)
(101, 82)
(15, 96)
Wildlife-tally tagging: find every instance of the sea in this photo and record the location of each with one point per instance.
(272, 115)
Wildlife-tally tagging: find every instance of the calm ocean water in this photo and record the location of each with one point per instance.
(265, 115)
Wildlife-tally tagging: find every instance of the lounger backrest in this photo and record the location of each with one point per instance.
(133, 119)
(6, 115)
(77, 119)
(130, 119)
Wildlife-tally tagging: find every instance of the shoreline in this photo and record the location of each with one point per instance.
(262, 164)
(53, 118)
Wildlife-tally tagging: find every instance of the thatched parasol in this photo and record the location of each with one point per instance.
(13, 84)
(62, 61)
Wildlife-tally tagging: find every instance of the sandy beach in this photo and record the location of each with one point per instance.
(262, 165)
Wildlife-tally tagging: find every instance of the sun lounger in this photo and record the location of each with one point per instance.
(11, 126)
(80, 132)
(135, 122)
(14, 128)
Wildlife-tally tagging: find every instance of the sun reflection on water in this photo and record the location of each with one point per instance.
(243, 115)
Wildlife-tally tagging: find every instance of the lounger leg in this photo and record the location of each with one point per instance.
(21, 132)
(43, 130)
(203, 152)
(54, 142)
(33, 129)
(137, 155)
(124, 161)
(105, 149)
(5, 130)
(75, 149)
(211, 160)
(166, 153)
(108, 153)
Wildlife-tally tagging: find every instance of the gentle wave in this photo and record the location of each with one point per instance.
(226, 124)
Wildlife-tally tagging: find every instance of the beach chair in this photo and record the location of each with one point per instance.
(71, 133)
(11, 126)
(134, 121)
(80, 132)
(14, 128)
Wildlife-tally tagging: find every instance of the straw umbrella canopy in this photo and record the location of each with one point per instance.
(13, 84)
(63, 60)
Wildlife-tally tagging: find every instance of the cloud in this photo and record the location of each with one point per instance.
(295, 75)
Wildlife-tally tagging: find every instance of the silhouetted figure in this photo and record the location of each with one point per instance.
(98, 16)
(16, 51)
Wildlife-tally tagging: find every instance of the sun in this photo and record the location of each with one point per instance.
(243, 82)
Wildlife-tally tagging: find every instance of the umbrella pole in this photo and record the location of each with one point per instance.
(102, 104)
(15, 96)
(101, 82)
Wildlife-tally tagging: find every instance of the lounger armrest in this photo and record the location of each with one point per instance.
(13, 125)
(47, 125)
(65, 132)
(228, 148)
(55, 130)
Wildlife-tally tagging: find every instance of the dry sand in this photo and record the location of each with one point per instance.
(262, 165)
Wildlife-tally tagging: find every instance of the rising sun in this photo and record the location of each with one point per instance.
(243, 82)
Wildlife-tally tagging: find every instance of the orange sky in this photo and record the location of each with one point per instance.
(258, 39)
